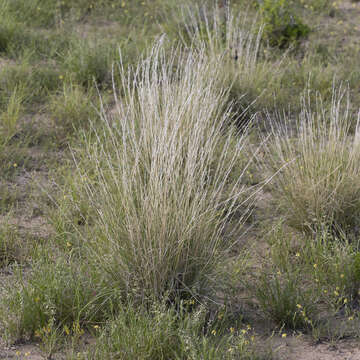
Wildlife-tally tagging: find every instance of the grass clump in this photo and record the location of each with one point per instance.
(10, 116)
(87, 62)
(56, 294)
(159, 180)
(319, 186)
(72, 108)
(8, 245)
(257, 77)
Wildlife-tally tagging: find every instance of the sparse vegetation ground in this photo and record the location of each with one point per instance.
(179, 180)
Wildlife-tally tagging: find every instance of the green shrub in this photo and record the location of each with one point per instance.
(282, 26)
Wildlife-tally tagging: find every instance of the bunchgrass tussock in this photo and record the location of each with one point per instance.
(235, 36)
(87, 61)
(157, 176)
(9, 245)
(71, 108)
(320, 184)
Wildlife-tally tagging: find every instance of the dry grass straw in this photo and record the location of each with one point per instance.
(160, 171)
(237, 35)
(320, 186)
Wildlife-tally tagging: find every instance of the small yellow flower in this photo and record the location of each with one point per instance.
(350, 318)
(27, 354)
(232, 330)
(248, 326)
(17, 353)
(68, 244)
(61, 77)
(299, 306)
(284, 335)
(15, 165)
(96, 326)
(66, 329)
(297, 254)
(342, 276)
(243, 331)
(325, 291)
(315, 266)
(213, 332)
(336, 293)
(345, 301)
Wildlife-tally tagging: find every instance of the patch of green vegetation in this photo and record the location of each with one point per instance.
(20, 80)
(9, 245)
(85, 63)
(282, 26)
(143, 250)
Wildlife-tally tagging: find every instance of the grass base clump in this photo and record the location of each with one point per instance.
(160, 170)
(319, 187)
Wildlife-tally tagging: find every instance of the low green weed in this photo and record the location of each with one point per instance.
(58, 292)
(284, 299)
(307, 277)
(162, 333)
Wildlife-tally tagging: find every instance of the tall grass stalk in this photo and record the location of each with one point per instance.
(252, 78)
(320, 186)
(160, 171)
(222, 30)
